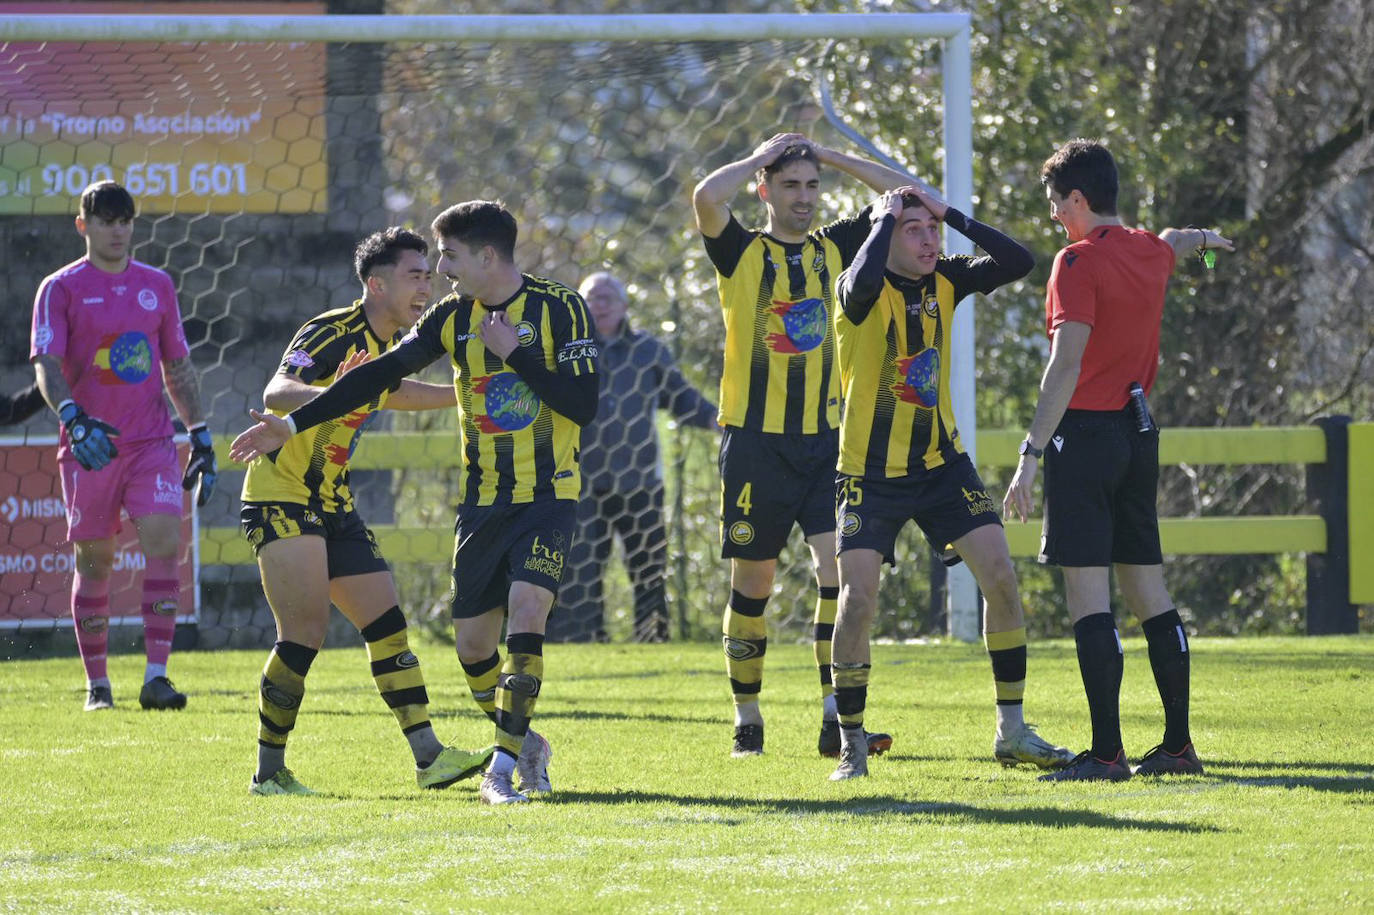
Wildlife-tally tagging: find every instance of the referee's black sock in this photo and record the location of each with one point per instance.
(1100, 663)
(1169, 660)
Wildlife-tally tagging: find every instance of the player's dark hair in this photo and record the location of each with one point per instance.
(478, 223)
(911, 200)
(1086, 166)
(382, 249)
(798, 152)
(107, 200)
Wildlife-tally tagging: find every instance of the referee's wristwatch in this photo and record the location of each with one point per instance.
(1028, 448)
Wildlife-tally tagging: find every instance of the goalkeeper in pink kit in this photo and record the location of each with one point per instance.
(106, 337)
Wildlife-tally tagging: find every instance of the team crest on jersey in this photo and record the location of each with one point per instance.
(803, 325)
(931, 306)
(125, 358)
(509, 403)
(920, 378)
(524, 333)
(850, 524)
(147, 299)
(742, 533)
(299, 358)
(818, 262)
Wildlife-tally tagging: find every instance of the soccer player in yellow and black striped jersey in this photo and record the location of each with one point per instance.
(311, 545)
(779, 398)
(900, 455)
(524, 367)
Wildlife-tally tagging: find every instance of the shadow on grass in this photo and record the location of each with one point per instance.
(1353, 778)
(885, 806)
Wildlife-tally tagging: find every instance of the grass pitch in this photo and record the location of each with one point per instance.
(130, 811)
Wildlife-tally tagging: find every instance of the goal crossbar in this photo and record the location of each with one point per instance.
(414, 28)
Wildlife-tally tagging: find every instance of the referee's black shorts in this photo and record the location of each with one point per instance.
(1101, 481)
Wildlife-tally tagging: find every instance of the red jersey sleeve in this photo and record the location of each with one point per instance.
(1072, 292)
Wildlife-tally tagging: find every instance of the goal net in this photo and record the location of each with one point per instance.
(258, 165)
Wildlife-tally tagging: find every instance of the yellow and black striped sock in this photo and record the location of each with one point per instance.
(280, 693)
(397, 673)
(481, 677)
(746, 642)
(827, 604)
(1007, 650)
(517, 688)
(851, 693)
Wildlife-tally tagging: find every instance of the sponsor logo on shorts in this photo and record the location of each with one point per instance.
(165, 607)
(742, 533)
(850, 524)
(95, 624)
(978, 501)
(1058, 441)
(278, 696)
(740, 649)
(300, 359)
(166, 493)
(147, 299)
(407, 660)
(254, 536)
(546, 560)
(524, 333)
(312, 518)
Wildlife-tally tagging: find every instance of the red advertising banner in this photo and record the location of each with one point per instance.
(36, 559)
(188, 127)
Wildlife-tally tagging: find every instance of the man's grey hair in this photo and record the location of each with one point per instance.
(603, 276)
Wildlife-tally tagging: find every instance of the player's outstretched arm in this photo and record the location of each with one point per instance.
(421, 395)
(711, 197)
(270, 433)
(1191, 239)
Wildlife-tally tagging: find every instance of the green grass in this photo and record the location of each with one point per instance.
(136, 811)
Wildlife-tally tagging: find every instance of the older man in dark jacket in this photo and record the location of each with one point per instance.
(622, 472)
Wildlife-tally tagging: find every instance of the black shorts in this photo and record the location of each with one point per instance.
(495, 545)
(946, 503)
(349, 545)
(1101, 481)
(770, 481)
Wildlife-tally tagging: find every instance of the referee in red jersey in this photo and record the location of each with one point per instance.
(1100, 445)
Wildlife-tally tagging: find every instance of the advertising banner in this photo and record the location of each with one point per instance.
(187, 127)
(36, 559)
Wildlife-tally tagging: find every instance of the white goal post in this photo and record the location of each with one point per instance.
(952, 29)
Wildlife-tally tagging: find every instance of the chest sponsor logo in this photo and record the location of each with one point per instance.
(803, 324)
(125, 358)
(93, 300)
(919, 378)
(147, 299)
(508, 404)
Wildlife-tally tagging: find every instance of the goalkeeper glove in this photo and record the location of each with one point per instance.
(201, 471)
(90, 439)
